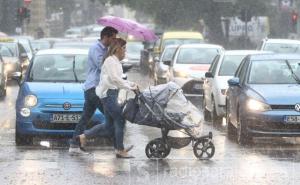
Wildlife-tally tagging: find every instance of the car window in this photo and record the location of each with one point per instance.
(21, 48)
(168, 42)
(58, 68)
(1, 65)
(229, 64)
(213, 66)
(241, 71)
(133, 49)
(196, 55)
(168, 54)
(273, 72)
(8, 49)
(282, 48)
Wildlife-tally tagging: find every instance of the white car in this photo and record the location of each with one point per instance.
(215, 83)
(189, 64)
(280, 45)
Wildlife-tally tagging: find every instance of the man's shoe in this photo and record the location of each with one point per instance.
(123, 154)
(129, 148)
(77, 151)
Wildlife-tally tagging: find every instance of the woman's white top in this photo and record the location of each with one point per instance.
(111, 77)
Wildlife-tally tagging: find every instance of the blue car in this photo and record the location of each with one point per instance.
(50, 99)
(263, 98)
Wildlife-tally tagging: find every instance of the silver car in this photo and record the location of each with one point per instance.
(189, 64)
(161, 70)
(3, 78)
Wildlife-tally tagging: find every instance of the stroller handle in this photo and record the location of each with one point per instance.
(137, 91)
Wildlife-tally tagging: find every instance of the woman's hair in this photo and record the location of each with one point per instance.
(115, 44)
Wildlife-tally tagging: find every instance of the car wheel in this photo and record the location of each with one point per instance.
(217, 120)
(231, 130)
(206, 113)
(243, 136)
(22, 139)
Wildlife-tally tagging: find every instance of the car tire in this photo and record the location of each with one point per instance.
(243, 136)
(217, 120)
(206, 113)
(22, 140)
(231, 130)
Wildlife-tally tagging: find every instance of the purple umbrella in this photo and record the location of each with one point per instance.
(128, 26)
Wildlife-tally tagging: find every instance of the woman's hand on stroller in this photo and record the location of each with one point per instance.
(135, 88)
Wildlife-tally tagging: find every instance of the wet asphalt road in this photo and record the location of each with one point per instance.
(267, 161)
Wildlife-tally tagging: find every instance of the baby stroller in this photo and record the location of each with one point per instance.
(165, 107)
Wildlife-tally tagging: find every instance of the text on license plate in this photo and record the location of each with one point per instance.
(292, 119)
(197, 86)
(65, 118)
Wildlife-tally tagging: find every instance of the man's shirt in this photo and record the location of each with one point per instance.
(94, 64)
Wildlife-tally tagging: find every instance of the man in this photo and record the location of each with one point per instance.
(95, 58)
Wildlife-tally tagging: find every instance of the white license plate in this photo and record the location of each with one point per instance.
(65, 118)
(292, 119)
(197, 86)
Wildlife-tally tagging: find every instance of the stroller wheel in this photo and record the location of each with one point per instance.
(204, 149)
(157, 149)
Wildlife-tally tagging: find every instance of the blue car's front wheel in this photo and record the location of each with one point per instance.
(22, 139)
(243, 136)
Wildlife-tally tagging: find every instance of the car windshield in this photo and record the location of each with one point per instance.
(229, 64)
(58, 68)
(274, 72)
(282, 48)
(168, 42)
(40, 45)
(8, 49)
(133, 49)
(196, 55)
(168, 54)
(78, 45)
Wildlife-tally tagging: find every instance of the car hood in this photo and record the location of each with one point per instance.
(277, 94)
(10, 59)
(55, 90)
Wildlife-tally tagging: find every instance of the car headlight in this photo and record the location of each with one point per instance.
(30, 101)
(255, 105)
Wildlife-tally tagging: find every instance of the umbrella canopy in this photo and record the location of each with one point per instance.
(128, 26)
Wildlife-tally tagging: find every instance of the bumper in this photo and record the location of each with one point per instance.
(271, 123)
(38, 124)
(190, 87)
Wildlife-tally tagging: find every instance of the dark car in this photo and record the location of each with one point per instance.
(3, 78)
(263, 98)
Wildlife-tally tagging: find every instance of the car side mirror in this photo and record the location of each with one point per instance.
(156, 59)
(17, 76)
(24, 55)
(209, 74)
(167, 62)
(234, 82)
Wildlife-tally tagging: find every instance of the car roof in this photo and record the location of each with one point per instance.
(288, 41)
(273, 56)
(244, 52)
(182, 34)
(200, 46)
(66, 51)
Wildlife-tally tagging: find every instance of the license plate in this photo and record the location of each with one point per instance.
(197, 86)
(65, 118)
(292, 119)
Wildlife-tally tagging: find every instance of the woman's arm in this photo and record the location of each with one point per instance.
(115, 74)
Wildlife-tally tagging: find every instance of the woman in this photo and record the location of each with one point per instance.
(110, 83)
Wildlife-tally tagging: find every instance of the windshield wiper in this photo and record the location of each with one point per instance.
(76, 79)
(293, 74)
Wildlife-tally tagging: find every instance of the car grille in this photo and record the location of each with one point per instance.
(40, 124)
(283, 107)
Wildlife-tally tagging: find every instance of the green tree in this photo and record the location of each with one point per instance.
(175, 14)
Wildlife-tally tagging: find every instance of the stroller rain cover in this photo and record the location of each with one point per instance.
(165, 99)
